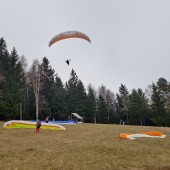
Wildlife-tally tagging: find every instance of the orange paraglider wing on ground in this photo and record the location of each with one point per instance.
(124, 135)
(151, 134)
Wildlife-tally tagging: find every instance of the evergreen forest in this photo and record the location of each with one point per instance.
(37, 92)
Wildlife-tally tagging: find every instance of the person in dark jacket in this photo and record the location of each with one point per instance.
(46, 119)
(68, 61)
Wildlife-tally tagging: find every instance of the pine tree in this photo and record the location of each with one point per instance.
(125, 99)
(71, 88)
(47, 88)
(4, 65)
(14, 85)
(91, 105)
(164, 90)
(58, 106)
(110, 102)
(121, 104)
(47, 79)
(76, 95)
(102, 113)
(82, 99)
(158, 109)
(138, 108)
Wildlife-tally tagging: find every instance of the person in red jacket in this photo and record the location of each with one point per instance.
(38, 125)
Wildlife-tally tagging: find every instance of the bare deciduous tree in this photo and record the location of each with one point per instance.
(34, 80)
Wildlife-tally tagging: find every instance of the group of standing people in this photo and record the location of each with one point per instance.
(38, 124)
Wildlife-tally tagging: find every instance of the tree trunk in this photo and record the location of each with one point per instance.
(20, 111)
(140, 121)
(95, 118)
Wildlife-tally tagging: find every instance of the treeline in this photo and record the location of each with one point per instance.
(38, 92)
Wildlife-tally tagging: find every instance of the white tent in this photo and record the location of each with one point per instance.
(77, 116)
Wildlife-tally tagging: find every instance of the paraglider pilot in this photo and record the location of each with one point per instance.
(68, 61)
(38, 125)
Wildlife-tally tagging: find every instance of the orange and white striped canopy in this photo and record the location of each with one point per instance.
(69, 34)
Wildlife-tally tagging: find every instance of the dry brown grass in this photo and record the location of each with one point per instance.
(83, 146)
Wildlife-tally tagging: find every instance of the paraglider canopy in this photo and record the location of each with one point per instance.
(149, 134)
(69, 34)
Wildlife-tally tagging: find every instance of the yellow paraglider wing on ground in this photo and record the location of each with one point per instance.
(31, 125)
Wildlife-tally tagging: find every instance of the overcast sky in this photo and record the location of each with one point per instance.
(130, 38)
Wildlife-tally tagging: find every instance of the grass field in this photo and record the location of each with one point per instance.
(83, 146)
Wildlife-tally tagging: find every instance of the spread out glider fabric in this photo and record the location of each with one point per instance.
(28, 124)
(141, 134)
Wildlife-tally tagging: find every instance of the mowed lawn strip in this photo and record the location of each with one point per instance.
(83, 146)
